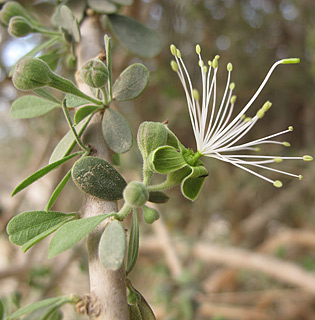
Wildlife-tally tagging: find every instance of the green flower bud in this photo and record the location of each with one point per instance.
(136, 194)
(12, 9)
(19, 27)
(94, 73)
(151, 135)
(31, 73)
(150, 215)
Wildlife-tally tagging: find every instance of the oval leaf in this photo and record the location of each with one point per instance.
(131, 82)
(72, 232)
(75, 101)
(83, 112)
(112, 247)
(98, 178)
(41, 172)
(135, 36)
(158, 197)
(67, 143)
(116, 131)
(133, 246)
(29, 106)
(102, 6)
(123, 2)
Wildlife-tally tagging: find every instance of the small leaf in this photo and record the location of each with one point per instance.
(131, 82)
(78, 8)
(112, 247)
(123, 2)
(102, 6)
(133, 247)
(58, 190)
(43, 92)
(30, 106)
(39, 305)
(43, 171)
(98, 178)
(193, 182)
(166, 159)
(28, 225)
(158, 197)
(135, 36)
(116, 131)
(75, 101)
(83, 112)
(51, 58)
(72, 232)
(68, 142)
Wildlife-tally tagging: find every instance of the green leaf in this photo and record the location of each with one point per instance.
(140, 310)
(39, 305)
(58, 190)
(1, 310)
(68, 142)
(131, 82)
(102, 6)
(75, 101)
(28, 225)
(193, 182)
(98, 178)
(43, 92)
(158, 197)
(123, 2)
(78, 8)
(30, 106)
(83, 112)
(43, 171)
(133, 247)
(166, 159)
(72, 232)
(116, 131)
(112, 246)
(108, 62)
(135, 36)
(65, 19)
(51, 58)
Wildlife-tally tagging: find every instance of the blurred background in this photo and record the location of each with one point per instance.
(243, 250)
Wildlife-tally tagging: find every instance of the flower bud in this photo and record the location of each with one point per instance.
(136, 194)
(94, 73)
(150, 215)
(31, 73)
(151, 135)
(12, 9)
(19, 27)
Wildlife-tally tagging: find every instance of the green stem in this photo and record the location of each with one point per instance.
(123, 212)
(65, 110)
(47, 32)
(105, 97)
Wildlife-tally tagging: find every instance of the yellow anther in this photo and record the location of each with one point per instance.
(247, 119)
(205, 69)
(278, 160)
(232, 86)
(195, 94)
(233, 99)
(201, 63)
(290, 128)
(210, 63)
(173, 50)
(174, 65)
(260, 113)
(217, 57)
(178, 53)
(243, 116)
(307, 158)
(277, 184)
(257, 149)
(290, 61)
(286, 144)
(229, 66)
(215, 63)
(267, 105)
(300, 177)
(198, 49)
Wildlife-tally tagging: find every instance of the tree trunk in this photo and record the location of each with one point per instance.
(107, 299)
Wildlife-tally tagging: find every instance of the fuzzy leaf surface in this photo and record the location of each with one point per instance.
(133, 247)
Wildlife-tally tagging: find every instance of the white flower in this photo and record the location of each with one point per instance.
(217, 134)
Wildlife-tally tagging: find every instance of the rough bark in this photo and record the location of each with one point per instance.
(107, 299)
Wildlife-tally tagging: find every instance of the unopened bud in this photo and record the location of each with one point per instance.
(136, 194)
(19, 27)
(150, 215)
(12, 9)
(94, 73)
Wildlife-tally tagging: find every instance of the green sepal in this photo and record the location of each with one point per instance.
(112, 246)
(166, 159)
(43, 171)
(28, 228)
(98, 178)
(172, 140)
(72, 232)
